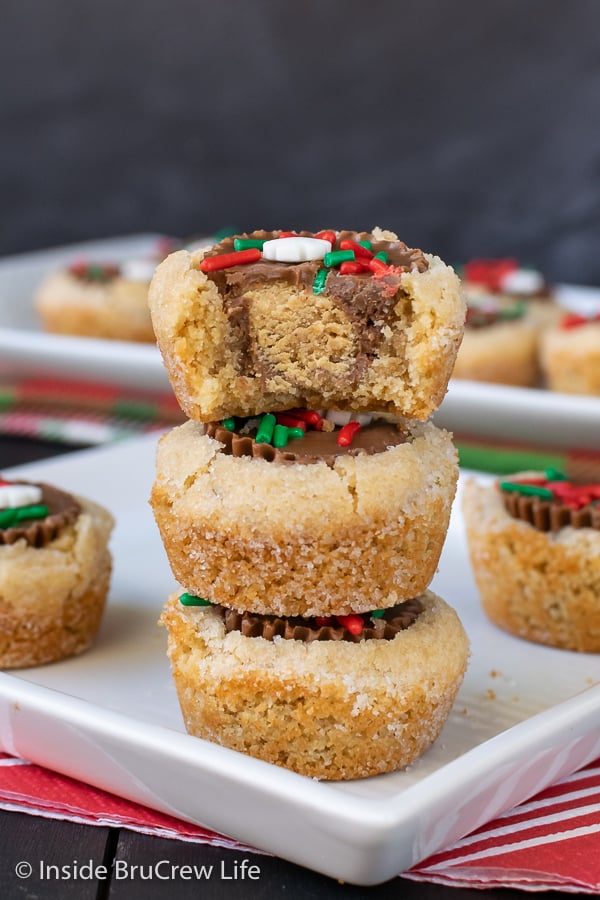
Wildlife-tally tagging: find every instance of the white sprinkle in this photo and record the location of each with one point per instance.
(522, 281)
(14, 495)
(137, 269)
(295, 249)
(338, 416)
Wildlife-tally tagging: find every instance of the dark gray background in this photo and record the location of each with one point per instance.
(469, 127)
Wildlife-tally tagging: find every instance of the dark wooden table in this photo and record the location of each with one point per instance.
(119, 864)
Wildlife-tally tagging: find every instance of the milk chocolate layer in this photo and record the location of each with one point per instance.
(480, 317)
(550, 515)
(315, 446)
(297, 628)
(63, 510)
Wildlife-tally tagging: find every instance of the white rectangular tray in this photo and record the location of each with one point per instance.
(526, 715)
(25, 350)
(487, 410)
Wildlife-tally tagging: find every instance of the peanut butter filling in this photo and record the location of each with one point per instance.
(482, 317)
(367, 303)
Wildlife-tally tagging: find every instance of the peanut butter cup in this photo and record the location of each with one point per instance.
(63, 510)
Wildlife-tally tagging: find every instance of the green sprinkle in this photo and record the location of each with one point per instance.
(191, 600)
(134, 410)
(336, 257)
(8, 398)
(516, 311)
(281, 435)
(555, 475)
(224, 233)
(10, 517)
(382, 255)
(7, 518)
(319, 282)
(501, 461)
(229, 423)
(97, 273)
(531, 490)
(366, 244)
(295, 433)
(264, 435)
(247, 244)
(377, 613)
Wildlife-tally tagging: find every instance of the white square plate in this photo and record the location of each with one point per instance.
(525, 716)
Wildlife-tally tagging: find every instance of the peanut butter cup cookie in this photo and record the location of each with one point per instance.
(98, 300)
(273, 320)
(315, 527)
(499, 344)
(55, 570)
(570, 355)
(534, 541)
(331, 698)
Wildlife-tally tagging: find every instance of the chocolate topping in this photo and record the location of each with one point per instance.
(94, 273)
(368, 302)
(63, 510)
(483, 317)
(550, 515)
(297, 628)
(315, 446)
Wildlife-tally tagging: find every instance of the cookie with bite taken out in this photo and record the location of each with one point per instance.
(347, 320)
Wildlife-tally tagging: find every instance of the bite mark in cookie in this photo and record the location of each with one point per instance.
(241, 334)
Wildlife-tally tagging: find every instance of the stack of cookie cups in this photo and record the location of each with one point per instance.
(304, 505)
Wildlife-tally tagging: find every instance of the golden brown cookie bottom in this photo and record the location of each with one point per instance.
(114, 311)
(571, 359)
(504, 353)
(540, 586)
(43, 639)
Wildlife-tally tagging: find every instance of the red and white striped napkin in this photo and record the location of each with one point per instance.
(550, 842)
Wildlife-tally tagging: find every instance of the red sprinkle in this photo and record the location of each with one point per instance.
(330, 236)
(310, 416)
(323, 620)
(225, 260)
(344, 438)
(290, 421)
(353, 268)
(489, 272)
(354, 623)
(574, 320)
(79, 267)
(359, 251)
(378, 267)
(574, 495)
(537, 482)
(287, 234)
